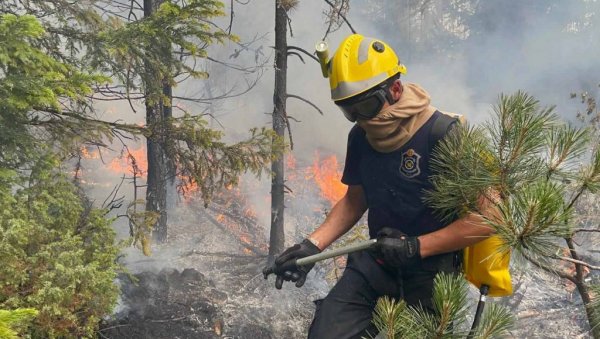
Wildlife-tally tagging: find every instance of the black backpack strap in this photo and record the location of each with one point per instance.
(440, 127)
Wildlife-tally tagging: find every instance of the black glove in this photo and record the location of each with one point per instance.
(396, 249)
(285, 265)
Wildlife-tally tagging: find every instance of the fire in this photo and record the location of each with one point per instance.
(291, 173)
(86, 154)
(290, 161)
(327, 175)
(125, 163)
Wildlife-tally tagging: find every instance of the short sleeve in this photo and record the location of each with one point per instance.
(351, 175)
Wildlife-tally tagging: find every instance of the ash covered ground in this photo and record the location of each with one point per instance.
(207, 283)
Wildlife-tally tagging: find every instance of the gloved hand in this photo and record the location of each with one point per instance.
(285, 265)
(396, 249)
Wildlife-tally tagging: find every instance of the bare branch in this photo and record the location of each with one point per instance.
(341, 15)
(132, 128)
(546, 268)
(303, 51)
(586, 230)
(231, 15)
(298, 55)
(293, 119)
(306, 101)
(578, 262)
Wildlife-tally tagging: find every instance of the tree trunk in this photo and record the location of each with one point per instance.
(276, 242)
(160, 171)
(584, 292)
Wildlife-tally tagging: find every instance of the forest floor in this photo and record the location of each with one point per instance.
(204, 283)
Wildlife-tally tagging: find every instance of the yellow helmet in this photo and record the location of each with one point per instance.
(359, 64)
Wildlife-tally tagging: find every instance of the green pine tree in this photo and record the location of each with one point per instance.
(541, 167)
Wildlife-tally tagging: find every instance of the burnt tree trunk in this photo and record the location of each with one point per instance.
(584, 291)
(276, 240)
(160, 171)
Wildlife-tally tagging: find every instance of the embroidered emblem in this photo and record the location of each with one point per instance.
(409, 165)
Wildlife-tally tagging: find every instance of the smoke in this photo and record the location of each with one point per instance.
(464, 54)
(546, 48)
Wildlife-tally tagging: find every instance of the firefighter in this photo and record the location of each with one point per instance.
(387, 171)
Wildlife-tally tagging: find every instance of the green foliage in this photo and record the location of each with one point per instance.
(449, 320)
(12, 322)
(389, 317)
(589, 175)
(496, 321)
(527, 155)
(31, 80)
(466, 167)
(539, 166)
(204, 160)
(532, 219)
(57, 255)
(518, 134)
(139, 53)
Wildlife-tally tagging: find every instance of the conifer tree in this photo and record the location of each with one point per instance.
(138, 57)
(541, 167)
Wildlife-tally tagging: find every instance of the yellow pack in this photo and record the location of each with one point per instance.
(484, 264)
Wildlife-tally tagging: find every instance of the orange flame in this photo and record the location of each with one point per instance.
(125, 163)
(327, 175)
(86, 154)
(290, 165)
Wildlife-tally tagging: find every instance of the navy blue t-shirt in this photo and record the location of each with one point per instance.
(394, 182)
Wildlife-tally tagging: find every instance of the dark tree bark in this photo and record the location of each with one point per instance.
(160, 171)
(276, 241)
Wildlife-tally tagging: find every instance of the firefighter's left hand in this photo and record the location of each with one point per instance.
(285, 265)
(397, 249)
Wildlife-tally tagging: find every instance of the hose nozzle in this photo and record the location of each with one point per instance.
(323, 54)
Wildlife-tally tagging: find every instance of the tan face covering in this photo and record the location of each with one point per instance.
(396, 124)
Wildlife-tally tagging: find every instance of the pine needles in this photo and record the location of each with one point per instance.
(527, 155)
(449, 318)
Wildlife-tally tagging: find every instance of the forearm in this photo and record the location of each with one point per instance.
(463, 232)
(458, 235)
(343, 216)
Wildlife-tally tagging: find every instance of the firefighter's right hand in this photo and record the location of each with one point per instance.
(396, 249)
(285, 265)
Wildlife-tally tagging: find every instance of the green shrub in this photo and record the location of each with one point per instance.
(57, 256)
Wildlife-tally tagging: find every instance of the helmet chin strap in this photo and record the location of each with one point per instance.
(390, 97)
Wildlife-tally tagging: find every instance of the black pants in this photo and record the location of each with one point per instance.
(347, 311)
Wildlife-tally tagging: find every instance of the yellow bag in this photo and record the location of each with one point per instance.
(483, 264)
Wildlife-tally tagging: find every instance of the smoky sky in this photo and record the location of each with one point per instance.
(547, 48)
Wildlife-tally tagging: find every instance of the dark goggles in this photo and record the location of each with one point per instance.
(365, 106)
